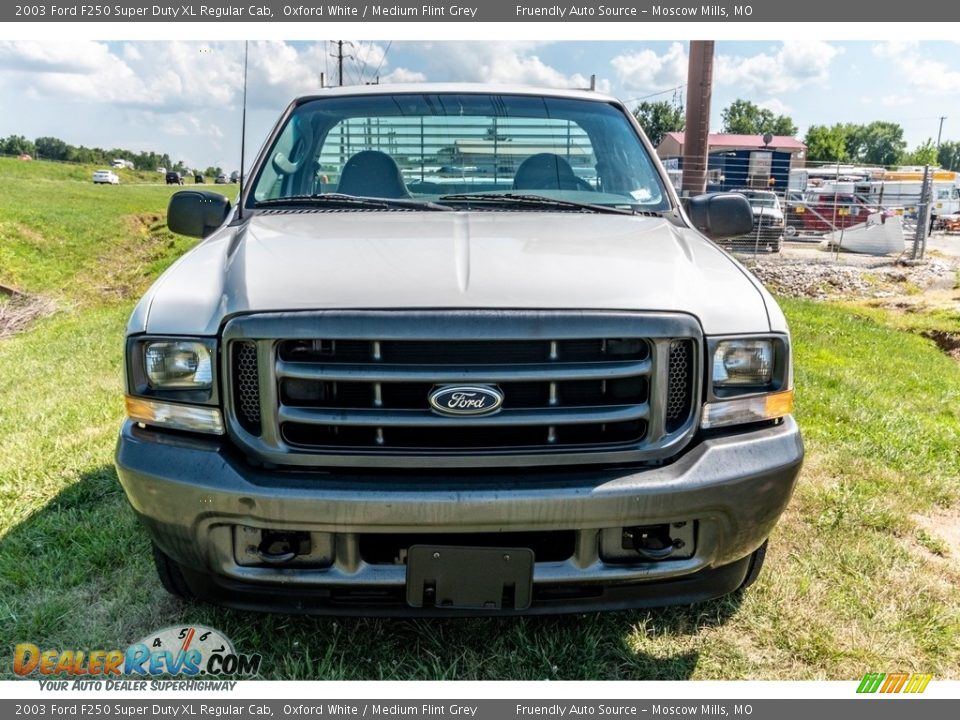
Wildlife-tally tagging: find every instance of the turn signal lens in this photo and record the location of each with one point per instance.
(747, 410)
(175, 417)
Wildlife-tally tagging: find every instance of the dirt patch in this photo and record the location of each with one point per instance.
(943, 529)
(144, 224)
(126, 270)
(948, 342)
(19, 310)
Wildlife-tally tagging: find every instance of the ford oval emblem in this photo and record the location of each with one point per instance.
(466, 400)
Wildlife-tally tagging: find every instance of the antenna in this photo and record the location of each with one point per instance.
(243, 128)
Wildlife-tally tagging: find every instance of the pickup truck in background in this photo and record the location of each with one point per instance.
(533, 385)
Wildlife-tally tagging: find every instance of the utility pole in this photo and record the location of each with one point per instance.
(695, 135)
(940, 131)
(340, 61)
(923, 217)
(339, 56)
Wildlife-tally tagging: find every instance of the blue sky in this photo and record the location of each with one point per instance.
(184, 97)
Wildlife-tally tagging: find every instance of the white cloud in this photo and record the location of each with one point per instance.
(646, 71)
(918, 71)
(775, 105)
(162, 76)
(192, 126)
(780, 70)
(175, 77)
(894, 100)
(794, 64)
(403, 75)
(63, 57)
(894, 48)
(499, 62)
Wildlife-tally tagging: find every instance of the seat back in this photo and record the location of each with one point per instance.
(545, 171)
(371, 173)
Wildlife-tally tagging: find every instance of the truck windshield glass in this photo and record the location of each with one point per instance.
(423, 147)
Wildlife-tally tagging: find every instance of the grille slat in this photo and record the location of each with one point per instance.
(351, 398)
(764, 233)
(426, 419)
(457, 374)
(433, 352)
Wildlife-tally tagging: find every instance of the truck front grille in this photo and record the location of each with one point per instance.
(337, 398)
(680, 383)
(765, 237)
(246, 385)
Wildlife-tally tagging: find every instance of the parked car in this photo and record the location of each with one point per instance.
(199, 179)
(174, 178)
(766, 235)
(558, 396)
(105, 177)
(221, 179)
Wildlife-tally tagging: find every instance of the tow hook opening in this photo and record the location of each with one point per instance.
(651, 542)
(281, 547)
(278, 547)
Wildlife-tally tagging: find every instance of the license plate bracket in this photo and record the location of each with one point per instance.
(470, 578)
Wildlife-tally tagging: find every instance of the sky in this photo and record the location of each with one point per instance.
(184, 98)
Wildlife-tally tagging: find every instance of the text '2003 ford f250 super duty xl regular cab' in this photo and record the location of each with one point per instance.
(457, 349)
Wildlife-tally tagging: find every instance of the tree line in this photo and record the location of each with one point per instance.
(874, 143)
(51, 148)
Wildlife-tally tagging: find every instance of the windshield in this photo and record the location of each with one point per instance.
(431, 148)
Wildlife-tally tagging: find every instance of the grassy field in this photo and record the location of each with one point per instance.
(861, 574)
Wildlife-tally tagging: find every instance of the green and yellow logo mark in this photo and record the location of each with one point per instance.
(894, 682)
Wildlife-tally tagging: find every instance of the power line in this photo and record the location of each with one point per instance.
(662, 92)
(326, 51)
(382, 59)
(357, 61)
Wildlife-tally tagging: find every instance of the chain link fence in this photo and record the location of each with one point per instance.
(826, 202)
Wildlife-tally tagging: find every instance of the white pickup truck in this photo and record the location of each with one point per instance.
(532, 385)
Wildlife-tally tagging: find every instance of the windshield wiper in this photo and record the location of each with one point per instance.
(343, 200)
(532, 200)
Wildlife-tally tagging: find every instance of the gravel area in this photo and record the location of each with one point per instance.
(814, 273)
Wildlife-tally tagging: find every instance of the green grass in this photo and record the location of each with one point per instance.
(44, 171)
(63, 236)
(853, 583)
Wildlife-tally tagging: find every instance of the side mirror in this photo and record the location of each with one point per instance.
(196, 213)
(720, 215)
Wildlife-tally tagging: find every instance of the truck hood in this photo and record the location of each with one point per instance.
(393, 260)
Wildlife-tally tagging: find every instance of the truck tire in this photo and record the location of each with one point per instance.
(171, 577)
(756, 563)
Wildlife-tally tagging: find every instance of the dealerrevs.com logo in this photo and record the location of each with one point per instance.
(909, 683)
(192, 652)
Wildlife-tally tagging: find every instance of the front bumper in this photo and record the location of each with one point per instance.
(193, 495)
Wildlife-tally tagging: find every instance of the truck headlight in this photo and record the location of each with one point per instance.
(743, 362)
(178, 364)
(171, 382)
(750, 381)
